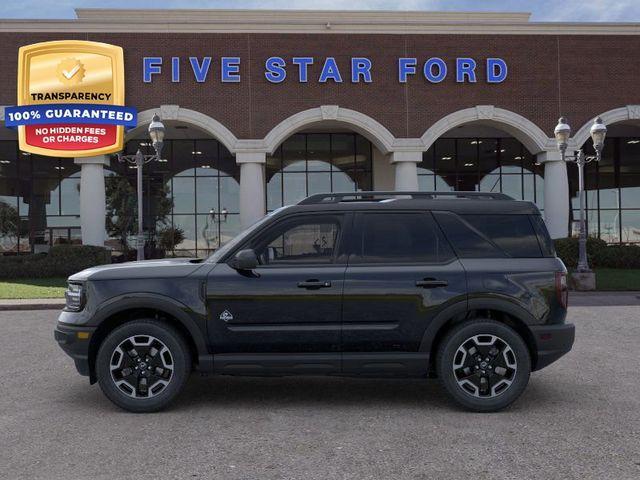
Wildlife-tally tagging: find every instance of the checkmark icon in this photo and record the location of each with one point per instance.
(71, 73)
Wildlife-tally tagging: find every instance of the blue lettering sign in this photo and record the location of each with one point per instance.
(151, 66)
(360, 67)
(406, 66)
(496, 70)
(175, 69)
(303, 64)
(200, 71)
(428, 70)
(230, 69)
(275, 69)
(330, 71)
(465, 67)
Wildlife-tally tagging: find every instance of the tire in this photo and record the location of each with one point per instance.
(461, 369)
(165, 359)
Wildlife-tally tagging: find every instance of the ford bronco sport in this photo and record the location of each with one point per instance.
(464, 286)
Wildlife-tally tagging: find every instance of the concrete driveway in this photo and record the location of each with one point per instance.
(579, 418)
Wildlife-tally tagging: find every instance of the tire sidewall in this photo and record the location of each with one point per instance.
(173, 341)
(449, 347)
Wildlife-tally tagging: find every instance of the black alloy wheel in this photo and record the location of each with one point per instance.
(143, 365)
(484, 365)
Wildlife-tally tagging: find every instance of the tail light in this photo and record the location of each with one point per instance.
(562, 290)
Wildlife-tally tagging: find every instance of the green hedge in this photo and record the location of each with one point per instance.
(61, 261)
(599, 254)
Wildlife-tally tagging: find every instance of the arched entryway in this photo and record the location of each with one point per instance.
(324, 149)
(191, 196)
(613, 184)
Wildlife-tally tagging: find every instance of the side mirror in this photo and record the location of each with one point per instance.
(244, 260)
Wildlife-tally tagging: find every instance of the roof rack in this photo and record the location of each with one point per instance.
(379, 196)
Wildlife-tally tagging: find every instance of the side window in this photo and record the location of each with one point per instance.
(466, 240)
(303, 241)
(512, 233)
(401, 238)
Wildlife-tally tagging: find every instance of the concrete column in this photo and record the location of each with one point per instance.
(556, 194)
(252, 187)
(406, 166)
(93, 209)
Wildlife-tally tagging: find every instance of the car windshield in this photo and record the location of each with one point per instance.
(238, 239)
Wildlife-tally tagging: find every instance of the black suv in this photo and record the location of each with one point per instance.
(462, 286)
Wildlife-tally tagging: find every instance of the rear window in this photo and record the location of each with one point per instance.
(514, 234)
(492, 235)
(467, 241)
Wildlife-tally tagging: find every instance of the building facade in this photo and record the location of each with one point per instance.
(263, 108)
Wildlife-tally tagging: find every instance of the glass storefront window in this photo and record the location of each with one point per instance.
(308, 163)
(612, 190)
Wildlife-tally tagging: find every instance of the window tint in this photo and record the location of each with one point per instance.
(512, 233)
(546, 244)
(466, 240)
(400, 238)
(311, 241)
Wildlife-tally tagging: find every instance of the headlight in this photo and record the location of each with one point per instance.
(74, 297)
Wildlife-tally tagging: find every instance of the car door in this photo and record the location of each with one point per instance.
(401, 273)
(291, 303)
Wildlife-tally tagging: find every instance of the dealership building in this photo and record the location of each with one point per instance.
(263, 108)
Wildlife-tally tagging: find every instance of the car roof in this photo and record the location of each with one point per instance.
(456, 202)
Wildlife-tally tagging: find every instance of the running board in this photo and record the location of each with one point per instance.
(376, 364)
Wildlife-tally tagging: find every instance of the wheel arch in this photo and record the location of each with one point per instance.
(121, 310)
(502, 310)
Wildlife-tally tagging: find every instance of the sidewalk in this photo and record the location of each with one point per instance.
(576, 299)
(32, 304)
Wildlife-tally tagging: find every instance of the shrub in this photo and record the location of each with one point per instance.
(599, 254)
(61, 261)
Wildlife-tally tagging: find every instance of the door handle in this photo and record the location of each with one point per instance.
(314, 284)
(431, 283)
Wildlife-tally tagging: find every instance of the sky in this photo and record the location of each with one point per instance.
(542, 10)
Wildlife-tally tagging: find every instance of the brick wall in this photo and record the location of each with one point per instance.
(578, 76)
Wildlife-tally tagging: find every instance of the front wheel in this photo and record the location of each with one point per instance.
(143, 365)
(484, 365)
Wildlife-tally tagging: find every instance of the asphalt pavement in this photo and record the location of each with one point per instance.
(579, 418)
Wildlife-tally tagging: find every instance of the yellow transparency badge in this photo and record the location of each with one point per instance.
(71, 99)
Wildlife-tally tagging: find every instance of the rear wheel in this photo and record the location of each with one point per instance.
(484, 365)
(143, 365)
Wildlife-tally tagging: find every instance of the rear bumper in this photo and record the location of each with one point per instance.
(552, 342)
(74, 341)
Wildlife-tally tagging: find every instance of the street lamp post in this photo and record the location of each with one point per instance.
(562, 133)
(156, 133)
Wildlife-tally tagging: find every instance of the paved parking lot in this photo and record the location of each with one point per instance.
(579, 418)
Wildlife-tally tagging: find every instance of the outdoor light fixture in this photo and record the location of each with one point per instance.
(562, 133)
(156, 133)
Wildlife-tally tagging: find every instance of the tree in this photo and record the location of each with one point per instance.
(9, 221)
(122, 208)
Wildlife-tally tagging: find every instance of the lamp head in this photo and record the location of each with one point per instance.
(156, 133)
(562, 133)
(598, 133)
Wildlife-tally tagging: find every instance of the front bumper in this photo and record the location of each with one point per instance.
(74, 340)
(552, 342)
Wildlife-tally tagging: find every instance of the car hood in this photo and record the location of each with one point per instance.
(166, 268)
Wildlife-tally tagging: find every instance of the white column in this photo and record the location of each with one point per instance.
(406, 165)
(556, 194)
(252, 187)
(93, 209)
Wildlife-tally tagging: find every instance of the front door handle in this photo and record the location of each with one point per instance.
(313, 284)
(431, 283)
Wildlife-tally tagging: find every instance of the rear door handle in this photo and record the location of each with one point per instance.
(431, 283)
(313, 284)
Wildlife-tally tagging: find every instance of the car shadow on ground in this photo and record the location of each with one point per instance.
(226, 392)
